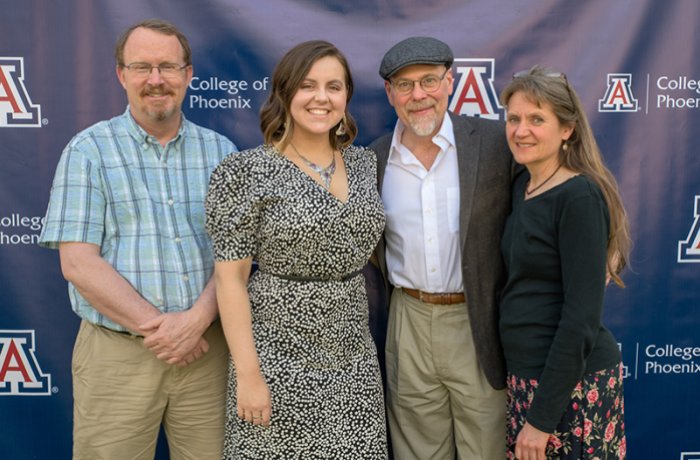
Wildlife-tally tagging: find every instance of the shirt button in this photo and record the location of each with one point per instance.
(178, 240)
(185, 277)
(433, 270)
(171, 201)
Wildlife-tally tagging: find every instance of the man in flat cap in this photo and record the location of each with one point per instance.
(445, 183)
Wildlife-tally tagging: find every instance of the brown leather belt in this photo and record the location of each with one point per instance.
(438, 298)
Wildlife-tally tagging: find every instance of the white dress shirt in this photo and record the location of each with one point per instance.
(422, 210)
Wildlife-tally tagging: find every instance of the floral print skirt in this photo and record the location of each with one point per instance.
(593, 426)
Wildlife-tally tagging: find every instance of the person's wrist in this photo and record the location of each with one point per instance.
(199, 318)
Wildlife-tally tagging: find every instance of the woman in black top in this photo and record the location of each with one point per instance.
(566, 238)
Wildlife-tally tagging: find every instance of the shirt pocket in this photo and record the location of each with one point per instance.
(129, 207)
(453, 209)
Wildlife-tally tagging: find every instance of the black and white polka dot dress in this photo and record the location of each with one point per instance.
(310, 319)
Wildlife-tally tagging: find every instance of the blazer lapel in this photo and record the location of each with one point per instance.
(468, 148)
(381, 148)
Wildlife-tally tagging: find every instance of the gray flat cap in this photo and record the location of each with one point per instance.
(415, 50)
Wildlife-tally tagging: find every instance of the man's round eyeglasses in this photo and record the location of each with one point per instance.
(166, 69)
(429, 83)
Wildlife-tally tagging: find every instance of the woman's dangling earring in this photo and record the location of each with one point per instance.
(341, 128)
(565, 146)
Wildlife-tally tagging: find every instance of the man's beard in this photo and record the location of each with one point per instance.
(423, 125)
(158, 114)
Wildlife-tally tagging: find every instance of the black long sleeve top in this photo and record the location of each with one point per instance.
(554, 247)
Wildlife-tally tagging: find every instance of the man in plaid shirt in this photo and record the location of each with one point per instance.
(127, 216)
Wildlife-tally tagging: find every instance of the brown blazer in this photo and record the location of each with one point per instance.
(486, 169)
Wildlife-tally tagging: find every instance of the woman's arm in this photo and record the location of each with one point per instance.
(253, 395)
(582, 235)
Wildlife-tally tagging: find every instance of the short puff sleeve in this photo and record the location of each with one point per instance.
(232, 212)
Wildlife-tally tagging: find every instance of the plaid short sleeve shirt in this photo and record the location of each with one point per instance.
(143, 204)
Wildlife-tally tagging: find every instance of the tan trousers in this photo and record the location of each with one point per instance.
(440, 405)
(122, 393)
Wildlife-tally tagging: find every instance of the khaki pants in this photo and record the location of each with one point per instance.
(439, 401)
(122, 393)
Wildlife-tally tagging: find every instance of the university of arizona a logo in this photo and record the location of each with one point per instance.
(618, 97)
(20, 373)
(474, 93)
(689, 249)
(16, 108)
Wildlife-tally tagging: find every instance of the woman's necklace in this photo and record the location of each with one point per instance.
(530, 192)
(326, 173)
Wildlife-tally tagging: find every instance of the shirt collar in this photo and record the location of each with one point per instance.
(143, 138)
(445, 138)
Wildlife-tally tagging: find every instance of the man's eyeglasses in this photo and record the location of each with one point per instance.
(429, 83)
(166, 69)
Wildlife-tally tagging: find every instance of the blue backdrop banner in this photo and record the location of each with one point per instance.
(633, 62)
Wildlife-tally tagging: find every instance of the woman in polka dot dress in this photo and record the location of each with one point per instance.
(304, 381)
